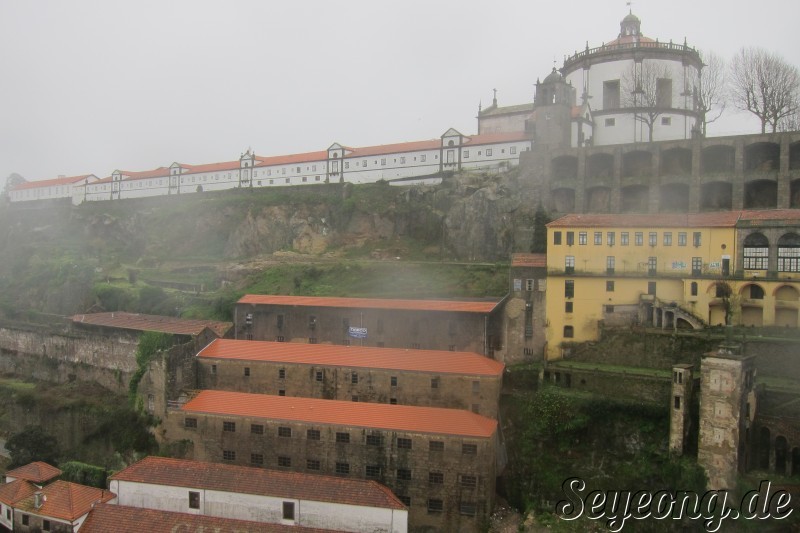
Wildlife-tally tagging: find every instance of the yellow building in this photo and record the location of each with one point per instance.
(670, 271)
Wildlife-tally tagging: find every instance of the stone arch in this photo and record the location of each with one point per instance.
(597, 200)
(673, 198)
(600, 166)
(564, 167)
(752, 291)
(762, 157)
(794, 194)
(676, 162)
(637, 163)
(719, 158)
(794, 158)
(716, 195)
(781, 454)
(764, 441)
(761, 194)
(786, 293)
(563, 200)
(634, 198)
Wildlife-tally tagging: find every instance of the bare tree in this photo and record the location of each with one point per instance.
(647, 88)
(764, 84)
(709, 84)
(790, 122)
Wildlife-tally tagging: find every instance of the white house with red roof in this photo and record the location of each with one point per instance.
(71, 188)
(260, 495)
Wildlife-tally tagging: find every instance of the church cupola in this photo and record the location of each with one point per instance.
(630, 26)
(553, 90)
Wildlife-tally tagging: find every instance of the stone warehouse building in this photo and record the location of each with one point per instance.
(259, 495)
(457, 380)
(441, 463)
(455, 325)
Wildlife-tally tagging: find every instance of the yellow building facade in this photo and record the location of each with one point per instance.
(670, 271)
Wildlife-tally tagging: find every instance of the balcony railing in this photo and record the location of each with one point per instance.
(616, 47)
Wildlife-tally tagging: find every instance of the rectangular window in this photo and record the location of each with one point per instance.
(373, 471)
(434, 383)
(284, 431)
(652, 238)
(374, 440)
(611, 94)
(624, 238)
(190, 423)
(383, 162)
(257, 429)
(213, 369)
(682, 238)
(696, 238)
(403, 474)
(528, 285)
(46, 523)
(393, 381)
(582, 238)
(312, 434)
(343, 437)
(284, 461)
(513, 150)
(228, 455)
(570, 238)
(318, 375)
(652, 263)
(610, 238)
(402, 160)
(666, 121)
(435, 478)
(468, 482)
(466, 154)
(343, 468)
(422, 158)
(312, 464)
(288, 511)
(489, 152)
(194, 500)
(610, 264)
(609, 122)
(25, 520)
(354, 378)
(229, 426)
(436, 446)
(556, 237)
(677, 402)
(609, 286)
(468, 508)
(403, 443)
(756, 258)
(568, 307)
(598, 238)
(247, 371)
(664, 92)
(257, 458)
(569, 288)
(697, 266)
(569, 264)
(788, 259)
(469, 449)
(435, 505)
(667, 238)
(651, 288)
(569, 332)
(638, 238)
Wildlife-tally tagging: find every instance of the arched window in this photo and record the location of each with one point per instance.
(756, 252)
(789, 253)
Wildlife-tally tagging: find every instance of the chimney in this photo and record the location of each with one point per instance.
(38, 500)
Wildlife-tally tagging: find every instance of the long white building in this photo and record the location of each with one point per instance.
(399, 164)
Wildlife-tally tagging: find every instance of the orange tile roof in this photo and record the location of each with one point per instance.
(37, 472)
(210, 167)
(11, 493)
(435, 361)
(139, 322)
(159, 172)
(529, 260)
(396, 148)
(460, 306)
(106, 518)
(259, 481)
(65, 501)
(434, 420)
(726, 219)
(50, 182)
(308, 157)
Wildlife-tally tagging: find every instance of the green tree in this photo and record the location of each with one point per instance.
(32, 444)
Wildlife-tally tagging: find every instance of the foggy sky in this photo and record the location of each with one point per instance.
(94, 86)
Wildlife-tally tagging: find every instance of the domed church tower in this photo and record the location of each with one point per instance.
(639, 89)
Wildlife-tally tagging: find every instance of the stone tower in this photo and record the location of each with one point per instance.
(552, 108)
(679, 415)
(727, 407)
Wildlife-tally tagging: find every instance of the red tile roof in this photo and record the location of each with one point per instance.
(259, 481)
(435, 361)
(308, 157)
(529, 260)
(434, 420)
(106, 518)
(37, 472)
(210, 167)
(727, 219)
(460, 306)
(139, 322)
(396, 148)
(49, 183)
(65, 501)
(11, 493)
